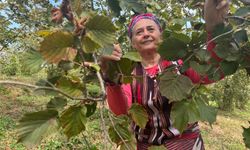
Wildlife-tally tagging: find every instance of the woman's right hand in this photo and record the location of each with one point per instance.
(115, 56)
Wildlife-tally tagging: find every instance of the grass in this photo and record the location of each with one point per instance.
(225, 134)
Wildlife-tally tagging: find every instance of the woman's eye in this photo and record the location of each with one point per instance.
(151, 29)
(138, 32)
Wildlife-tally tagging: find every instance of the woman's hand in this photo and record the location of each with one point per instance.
(115, 56)
(215, 12)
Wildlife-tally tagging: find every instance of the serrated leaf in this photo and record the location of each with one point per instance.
(93, 89)
(91, 108)
(241, 37)
(58, 46)
(222, 29)
(114, 6)
(228, 68)
(161, 147)
(175, 87)
(101, 30)
(134, 5)
(73, 120)
(227, 51)
(70, 86)
(201, 69)
(33, 127)
(96, 67)
(76, 5)
(246, 136)
(44, 33)
(33, 61)
(182, 37)
(66, 65)
(134, 56)
(107, 50)
(203, 55)
(57, 103)
(131, 145)
(122, 135)
(207, 113)
(184, 112)
(138, 114)
(89, 46)
(242, 11)
(172, 49)
(126, 66)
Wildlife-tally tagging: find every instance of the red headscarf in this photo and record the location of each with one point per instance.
(137, 18)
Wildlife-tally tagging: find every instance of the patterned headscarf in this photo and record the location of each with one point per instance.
(137, 18)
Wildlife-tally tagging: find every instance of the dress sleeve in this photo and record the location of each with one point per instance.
(119, 98)
(193, 75)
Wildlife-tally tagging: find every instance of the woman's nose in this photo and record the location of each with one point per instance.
(146, 33)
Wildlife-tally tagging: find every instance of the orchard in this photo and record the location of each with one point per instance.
(69, 40)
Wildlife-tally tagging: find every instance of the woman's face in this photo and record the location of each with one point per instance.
(145, 35)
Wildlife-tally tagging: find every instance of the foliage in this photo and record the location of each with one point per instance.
(246, 135)
(71, 54)
(231, 92)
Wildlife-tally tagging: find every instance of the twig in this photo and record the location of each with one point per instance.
(113, 124)
(35, 87)
(101, 82)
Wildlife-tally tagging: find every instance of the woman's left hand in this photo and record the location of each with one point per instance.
(215, 12)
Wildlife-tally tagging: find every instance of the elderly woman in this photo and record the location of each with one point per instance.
(145, 35)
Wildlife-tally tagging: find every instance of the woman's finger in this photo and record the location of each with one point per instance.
(222, 4)
(117, 48)
(111, 57)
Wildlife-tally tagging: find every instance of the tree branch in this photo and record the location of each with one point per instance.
(36, 88)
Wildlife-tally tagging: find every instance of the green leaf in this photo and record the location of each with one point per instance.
(203, 55)
(107, 50)
(57, 103)
(227, 51)
(58, 46)
(134, 56)
(161, 147)
(242, 11)
(128, 144)
(182, 37)
(184, 112)
(33, 61)
(228, 68)
(241, 37)
(91, 108)
(100, 30)
(207, 113)
(88, 45)
(76, 5)
(73, 120)
(44, 33)
(138, 114)
(66, 65)
(114, 6)
(126, 66)
(246, 136)
(175, 87)
(222, 29)
(93, 89)
(134, 5)
(201, 69)
(33, 127)
(119, 133)
(70, 85)
(172, 49)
